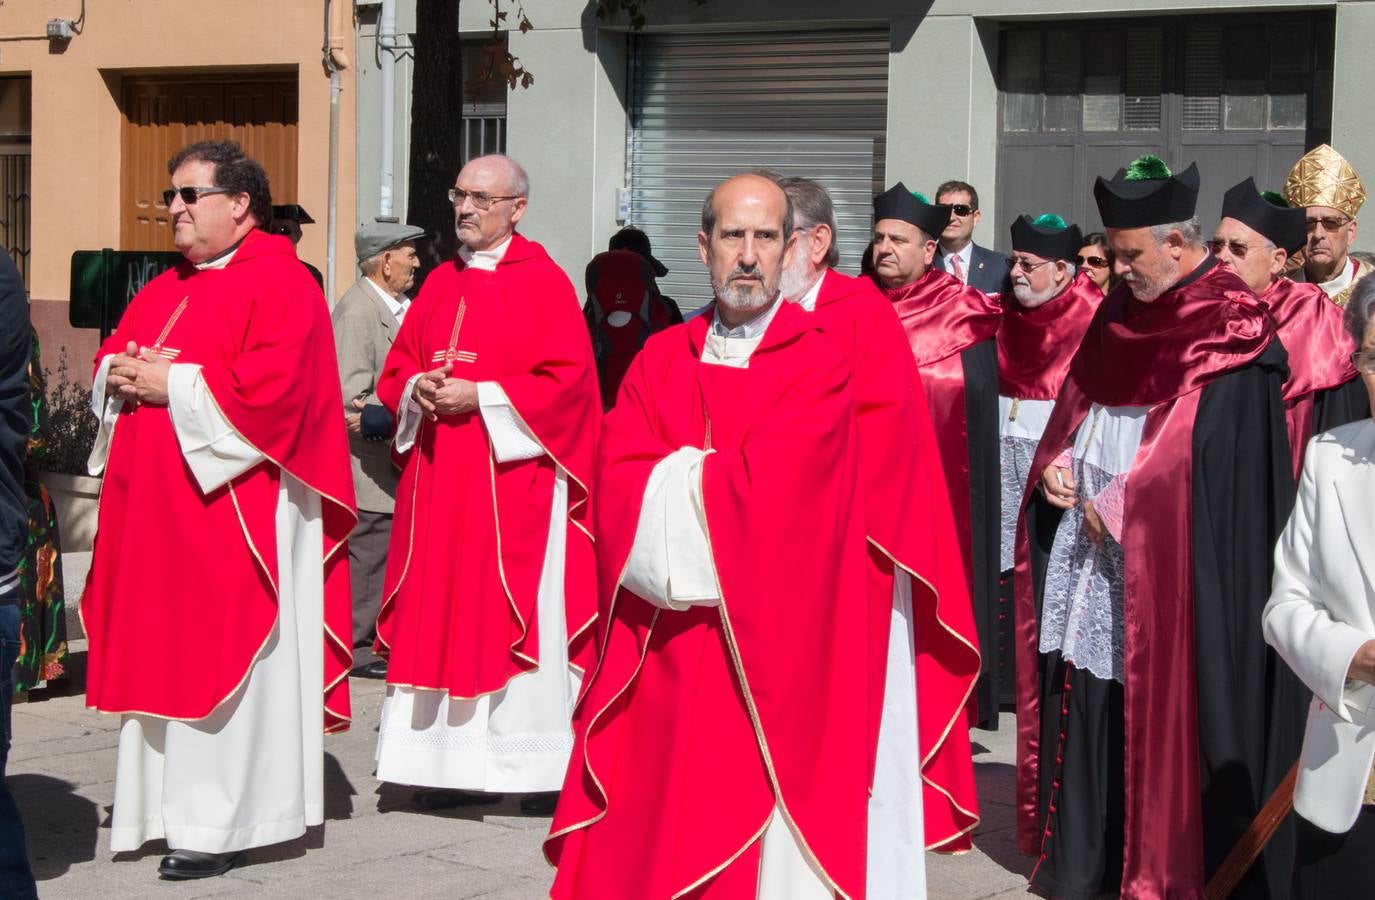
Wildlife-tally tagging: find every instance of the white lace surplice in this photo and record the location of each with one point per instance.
(1020, 424)
(1081, 613)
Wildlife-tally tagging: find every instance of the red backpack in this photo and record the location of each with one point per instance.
(623, 309)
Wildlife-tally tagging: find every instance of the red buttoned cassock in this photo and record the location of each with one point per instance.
(469, 534)
(182, 592)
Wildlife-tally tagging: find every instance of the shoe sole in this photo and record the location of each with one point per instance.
(183, 875)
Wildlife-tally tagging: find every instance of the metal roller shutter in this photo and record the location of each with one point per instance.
(708, 106)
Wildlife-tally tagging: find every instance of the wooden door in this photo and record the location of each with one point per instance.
(162, 115)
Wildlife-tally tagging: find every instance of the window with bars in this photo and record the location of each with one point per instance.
(484, 103)
(15, 170)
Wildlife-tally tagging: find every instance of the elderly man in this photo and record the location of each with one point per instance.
(366, 320)
(1327, 188)
(1256, 236)
(223, 452)
(1052, 305)
(720, 748)
(897, 446)
(1153, 721)
(950, 331)
(981, 268)
(489, 605)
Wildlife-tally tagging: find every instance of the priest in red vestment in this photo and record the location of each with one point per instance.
(1157, 722)
(1043, 321)
(951, 330)
(723, 745)
(923, 791)
(489, 601)
(217, 604)
(1255, 237)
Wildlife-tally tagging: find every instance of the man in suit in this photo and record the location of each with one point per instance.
(366, 320)
(978, 267)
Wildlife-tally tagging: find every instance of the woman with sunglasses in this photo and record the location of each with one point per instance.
(1097, 260)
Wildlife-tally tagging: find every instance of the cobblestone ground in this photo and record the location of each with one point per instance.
(373, 843)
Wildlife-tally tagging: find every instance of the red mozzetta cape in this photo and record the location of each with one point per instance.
(697, 723)
(909, 524)
(1035, 346)
(469, 534)
(1310, 327)
(1159, 354)
(178, 609)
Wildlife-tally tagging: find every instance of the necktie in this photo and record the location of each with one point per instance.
(955, 268)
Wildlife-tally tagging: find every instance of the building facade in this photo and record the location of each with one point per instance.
(89, 119)
(1026, 101)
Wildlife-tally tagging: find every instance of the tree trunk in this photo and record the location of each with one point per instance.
(436, 130)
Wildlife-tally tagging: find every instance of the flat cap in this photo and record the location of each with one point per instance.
(372, 238)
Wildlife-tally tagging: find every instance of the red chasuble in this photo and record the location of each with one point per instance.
(1035, 346)
(1310, 327)
(697, 723)
(909, 524)
(179, 603)
(469, 534)
(1159, 354)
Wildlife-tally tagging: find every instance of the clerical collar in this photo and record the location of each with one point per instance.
(221, 259)
(485, 260)
(808, 300)
(1199, 271)
(397, 304)
(754, 328)
(1343, 279)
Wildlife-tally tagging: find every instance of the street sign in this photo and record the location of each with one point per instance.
(104, 281)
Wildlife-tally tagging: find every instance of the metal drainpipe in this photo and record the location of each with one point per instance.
(386, 43)
(335, 62)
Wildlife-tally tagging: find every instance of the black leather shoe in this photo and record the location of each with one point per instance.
(541, 804)
(440, 798)
(375, 669)
(180, 865)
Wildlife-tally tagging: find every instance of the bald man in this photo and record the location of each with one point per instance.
(722, 745)
(489, 600)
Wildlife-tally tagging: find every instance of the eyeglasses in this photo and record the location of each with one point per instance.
(1363, 361)
(480, 200)
(963, 209)
(1096, 262)
(189, 195)
(1026, 265)
(1328, 223)
(1239, 250)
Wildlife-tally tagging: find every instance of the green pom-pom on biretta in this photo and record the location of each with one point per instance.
(1050, 220)
(1148, 168)
(1276, 199)
(922, 197)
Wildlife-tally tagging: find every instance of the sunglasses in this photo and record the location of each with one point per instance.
(189, 195)
(1328, 223)
(963, 209)
(1096, 262)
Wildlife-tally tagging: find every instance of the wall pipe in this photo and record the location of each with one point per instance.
(386, 43)
(335, 62)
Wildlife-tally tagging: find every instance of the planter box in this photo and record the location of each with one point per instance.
(75, 497)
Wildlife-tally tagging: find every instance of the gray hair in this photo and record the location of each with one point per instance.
(370, 265)
(520, 182)
(1070, 269)
(1190, 229)
(709, 212)
(812, 206)
(1359, 308)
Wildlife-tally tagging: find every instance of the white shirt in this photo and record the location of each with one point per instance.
(398, 304)
(486, 260)
(965, 255)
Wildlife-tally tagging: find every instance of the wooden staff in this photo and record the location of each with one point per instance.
(1257, 835)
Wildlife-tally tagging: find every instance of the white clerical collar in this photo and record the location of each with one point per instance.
(219, 262)
(1343, 279)
(398, 304)
(486, 260)
(808, 300)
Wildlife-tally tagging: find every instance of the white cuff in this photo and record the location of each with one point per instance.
(670, 561)
(511, 440)
(212, 448)
(106, 410)
(409, 415)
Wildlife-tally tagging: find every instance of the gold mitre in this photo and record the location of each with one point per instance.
(1323, 178)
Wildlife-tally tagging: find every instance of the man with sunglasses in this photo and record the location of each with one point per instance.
(1327, 188)
(1255, 237)
(950, 330)
(980, 268)
(489, 599)
(217, 605)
